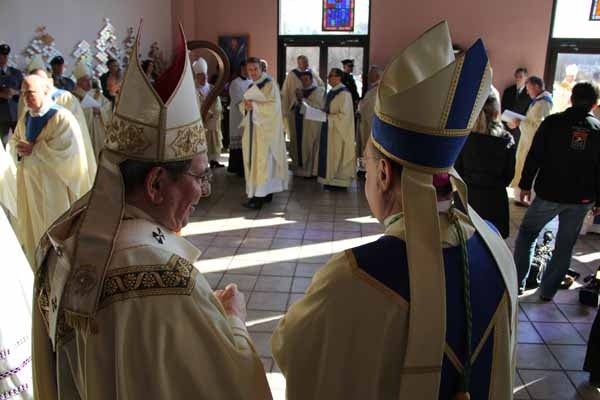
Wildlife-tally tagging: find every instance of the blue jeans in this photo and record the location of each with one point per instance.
(570, 220)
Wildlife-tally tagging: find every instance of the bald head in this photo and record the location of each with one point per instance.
(36, 90)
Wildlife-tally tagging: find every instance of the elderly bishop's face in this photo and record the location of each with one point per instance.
(180, 196)
(35, 88)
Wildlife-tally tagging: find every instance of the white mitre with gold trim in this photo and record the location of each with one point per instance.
(36, 62)
(81, 69)
(159, 122)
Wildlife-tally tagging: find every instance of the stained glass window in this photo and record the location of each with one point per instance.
(595, 15)
(338, 15)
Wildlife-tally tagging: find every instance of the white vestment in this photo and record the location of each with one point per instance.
(237, 87)
(212, 124)
(263, 144)
(16, 292)
(288, 100)
(52, 178)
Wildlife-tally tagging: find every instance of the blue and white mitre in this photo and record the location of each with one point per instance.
(427, 103)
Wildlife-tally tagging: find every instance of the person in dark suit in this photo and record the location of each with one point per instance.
(114, 72)
(348, 80)
(10, 86)
(58, 69)
(515, 98)
(487, 165)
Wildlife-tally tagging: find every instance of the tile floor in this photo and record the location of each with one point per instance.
(272, 255)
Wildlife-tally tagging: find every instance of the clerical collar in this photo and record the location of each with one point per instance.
(263, 76)
(46, 106)
(4, 69)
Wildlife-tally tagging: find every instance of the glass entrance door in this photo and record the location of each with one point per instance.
(335, 55)
(323, 54)
(312, 52)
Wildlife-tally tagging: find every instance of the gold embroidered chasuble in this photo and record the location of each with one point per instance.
(159, 332)
(288, 100)
(97, 121)
(263, 143)
(70, 102)
(214, 135)
(51, 179)
(311, 131)
(341, 152)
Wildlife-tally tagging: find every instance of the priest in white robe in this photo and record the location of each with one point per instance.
(337, 155)
(16, 292)
(97, 109)
(214, 137)
(263, 143)
(8, 183)
(237, 88)
(366, 110)
(120, 310)
(52, 167)
(291, 85)
(68, 101)
(538, 110)
(308, 132)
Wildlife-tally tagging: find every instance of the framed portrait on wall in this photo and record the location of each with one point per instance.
(595, 13)
(236, 48)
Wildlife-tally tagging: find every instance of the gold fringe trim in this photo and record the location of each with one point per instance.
(81, 323)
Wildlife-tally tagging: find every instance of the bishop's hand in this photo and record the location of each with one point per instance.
(233, 301)
(24, 148)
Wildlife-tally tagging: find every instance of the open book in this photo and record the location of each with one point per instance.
(508, 116)
(313, 114)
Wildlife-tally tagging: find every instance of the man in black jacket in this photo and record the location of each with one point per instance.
(515, 98)
(564, 159)
(348, 80)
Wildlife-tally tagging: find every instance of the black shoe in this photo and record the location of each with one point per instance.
(521, 291)
(545, 299)
(334, 188)
(216, 164)
(531, 284)
(268, 198)
(254, 203)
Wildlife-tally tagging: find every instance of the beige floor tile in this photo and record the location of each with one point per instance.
(279, 269)
(307, 270)
(263, 321)
(569, 357)
(584, 330)
(519, 390)
(578, 313)
(581, 382)
(268, 301)
(551, 385)
(273, 284)
(543, 312)
(558, 333)
(535, 356)
(300, 285)
(527, 333)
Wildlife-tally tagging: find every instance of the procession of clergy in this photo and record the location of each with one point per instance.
(97, 191)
